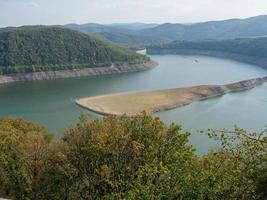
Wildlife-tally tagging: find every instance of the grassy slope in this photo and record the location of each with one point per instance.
(158, 100)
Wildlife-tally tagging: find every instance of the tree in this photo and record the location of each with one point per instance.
(128, 157)
(23, 152)
(238, 170)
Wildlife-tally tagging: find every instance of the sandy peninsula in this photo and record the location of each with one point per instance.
(159, 100)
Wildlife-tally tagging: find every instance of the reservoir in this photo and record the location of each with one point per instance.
(51, 103)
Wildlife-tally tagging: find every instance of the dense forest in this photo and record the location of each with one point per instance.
(251, 50)
(244, 46)
(128, 158)
(44, 48)
(129, 40)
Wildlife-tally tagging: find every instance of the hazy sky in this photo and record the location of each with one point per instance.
(21, 12)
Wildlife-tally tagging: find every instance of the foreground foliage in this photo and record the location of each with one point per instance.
(128, 158)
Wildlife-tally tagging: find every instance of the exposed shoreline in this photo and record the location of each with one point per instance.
(114, 69)
(260, 62)
(132, 103)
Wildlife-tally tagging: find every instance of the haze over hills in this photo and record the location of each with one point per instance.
(139, 35)
(46, 48)
(116, 27)
(125, 35)
(232, 28)
(134, 26)
(96, 28)
(129, 40)
(157, 34)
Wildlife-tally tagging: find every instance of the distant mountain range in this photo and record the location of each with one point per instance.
(140, 34)
(227, 29)
(117, 27)
(125, 35)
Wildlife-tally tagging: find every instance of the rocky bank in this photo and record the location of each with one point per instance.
(114, 69)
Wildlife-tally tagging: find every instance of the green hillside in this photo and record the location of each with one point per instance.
(226, 29)
(129, 40)
(42, 48)
(250, 50)
(140, 35)
(124, 35)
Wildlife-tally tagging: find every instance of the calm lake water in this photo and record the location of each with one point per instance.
(51, 103)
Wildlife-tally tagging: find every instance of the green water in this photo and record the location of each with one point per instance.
(51, 103)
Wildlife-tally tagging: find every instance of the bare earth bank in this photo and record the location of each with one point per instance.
(114, 69)
(159, 100)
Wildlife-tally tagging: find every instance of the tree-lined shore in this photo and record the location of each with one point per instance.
(247, 50)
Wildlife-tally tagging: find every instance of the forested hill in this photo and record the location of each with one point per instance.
(46, 48)
(250, 50)
(129, 40)
(226, 29)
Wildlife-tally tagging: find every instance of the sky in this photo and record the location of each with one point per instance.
(51, 12)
